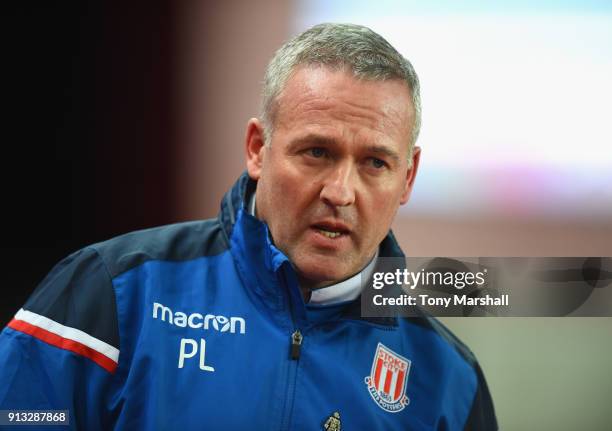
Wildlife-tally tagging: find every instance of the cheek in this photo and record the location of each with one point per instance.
(289, 186)
(381, 210)
(281, 193)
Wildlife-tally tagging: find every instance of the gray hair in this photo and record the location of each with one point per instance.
(367, 54)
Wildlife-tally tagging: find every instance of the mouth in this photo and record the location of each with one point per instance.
(331, 230)
(329, 234)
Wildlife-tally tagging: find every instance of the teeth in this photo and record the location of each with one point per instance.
(330, 234)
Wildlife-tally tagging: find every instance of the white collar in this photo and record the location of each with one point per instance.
(347, 290)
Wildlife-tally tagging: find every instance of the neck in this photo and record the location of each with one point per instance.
(347, 288)
(308, 285)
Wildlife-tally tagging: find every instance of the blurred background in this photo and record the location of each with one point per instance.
(123, 117)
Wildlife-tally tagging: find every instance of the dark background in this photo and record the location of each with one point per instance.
(87, 128)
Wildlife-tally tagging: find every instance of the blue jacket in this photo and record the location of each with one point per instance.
(202, 325)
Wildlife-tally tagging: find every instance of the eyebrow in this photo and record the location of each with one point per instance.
(379, 149)
(324, 141)
(314, 139)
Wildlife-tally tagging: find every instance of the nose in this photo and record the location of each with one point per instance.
(338, 187)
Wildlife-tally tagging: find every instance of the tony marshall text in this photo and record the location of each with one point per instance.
(427, 300)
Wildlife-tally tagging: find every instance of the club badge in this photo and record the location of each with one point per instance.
(388, 379)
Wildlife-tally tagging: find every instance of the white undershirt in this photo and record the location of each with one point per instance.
(347, 290)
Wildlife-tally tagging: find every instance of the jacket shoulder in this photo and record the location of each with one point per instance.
(482, 412)
(76, 300)
(175, 242)
(74, 309)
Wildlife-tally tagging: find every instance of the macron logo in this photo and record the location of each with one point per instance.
(197, 320)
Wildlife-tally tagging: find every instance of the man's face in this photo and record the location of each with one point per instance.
(330, 183)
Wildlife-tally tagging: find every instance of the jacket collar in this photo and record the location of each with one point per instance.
(262, 263)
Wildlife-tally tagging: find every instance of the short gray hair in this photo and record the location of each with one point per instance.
(367, 54)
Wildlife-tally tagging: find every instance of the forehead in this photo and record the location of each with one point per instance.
(321, 97)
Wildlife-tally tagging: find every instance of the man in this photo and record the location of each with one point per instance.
(251, 320)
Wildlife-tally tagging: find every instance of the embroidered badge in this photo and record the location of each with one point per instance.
(388, 379)
(332, 423)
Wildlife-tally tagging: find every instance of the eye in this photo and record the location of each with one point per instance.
(377, 163)
(317, 152)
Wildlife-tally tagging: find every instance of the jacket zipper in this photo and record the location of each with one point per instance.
(296, 344)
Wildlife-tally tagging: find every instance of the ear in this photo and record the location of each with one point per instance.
(254, 147)
(411, 175)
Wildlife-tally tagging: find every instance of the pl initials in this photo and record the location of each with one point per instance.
(189, 348)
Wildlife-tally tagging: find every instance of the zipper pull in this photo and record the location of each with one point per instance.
(296, 343)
